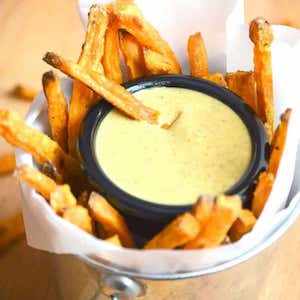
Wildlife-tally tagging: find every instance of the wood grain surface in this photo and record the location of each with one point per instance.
(27, 30)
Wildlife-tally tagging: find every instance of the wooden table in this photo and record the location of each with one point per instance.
(30, 28)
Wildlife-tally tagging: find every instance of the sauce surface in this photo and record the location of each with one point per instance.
(206, 150)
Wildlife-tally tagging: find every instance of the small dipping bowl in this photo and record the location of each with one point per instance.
(137, 209)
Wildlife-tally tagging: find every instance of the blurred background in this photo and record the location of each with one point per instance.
(27, 30)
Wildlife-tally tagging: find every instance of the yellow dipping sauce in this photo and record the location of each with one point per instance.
(206, 151)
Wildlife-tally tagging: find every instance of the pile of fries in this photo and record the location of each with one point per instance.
(116, 28)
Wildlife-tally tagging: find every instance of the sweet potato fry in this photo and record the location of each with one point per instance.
(93, 46)
(130, 18)
(262, 37)
(243, 84)
(7, 163)
(217, 78)
(62, 198)
(40, 182)
(111, 91)
(114, 240)
(231, 202)
(133, 55)
(79, 216)
(262, 192)
(244, 223)
(197, 55)
(202, 209)
(110, 219)
(180, 231)
(157, 63)
(11, 230)
(83, 98)
(224, 214)
(57, 109)
(24, 92)
(41, 147)
(111, 58)
(278, 142)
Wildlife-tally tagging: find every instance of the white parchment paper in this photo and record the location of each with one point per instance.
(226, 36)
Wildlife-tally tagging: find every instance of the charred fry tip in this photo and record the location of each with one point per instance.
(48, 76)
(286, 115)
(52, 59)
(49, 170)
(260, 31)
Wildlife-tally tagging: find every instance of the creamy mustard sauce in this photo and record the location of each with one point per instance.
(206, 151)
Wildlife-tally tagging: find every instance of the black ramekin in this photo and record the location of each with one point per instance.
(137, 208)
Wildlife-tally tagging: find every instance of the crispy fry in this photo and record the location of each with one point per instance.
(62, 198)
(57, 109)
(11, 230)
(24, 92)
(7, 163)
(244, 223)
(111, 58)
(278, 142)
(131, 19)
(79, 216)
(115, 240)
(243, 84)
(225, 212)
(83, 98)
(133, 55)
(157, 63)
(203, 209)
(262, 37)
(41, 147)
(179, 232)
(111, 91)
(231, 202)
(110, 219)
(262, 192)
(217, 78)
(93, 46)
(197, 55)
(40, 182)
